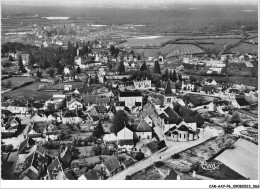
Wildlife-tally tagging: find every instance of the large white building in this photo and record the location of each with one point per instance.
(143, 84)
(131, 98)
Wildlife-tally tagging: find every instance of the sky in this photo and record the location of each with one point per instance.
(120, 2)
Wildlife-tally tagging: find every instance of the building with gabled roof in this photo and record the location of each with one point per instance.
(26, 145)
(240, 102)
(142, 130)
(56, 171)
(112, 165)
(149, 148)
(131, 98)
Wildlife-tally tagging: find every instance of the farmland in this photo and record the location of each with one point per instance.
(181, 49)
(149, 40)
(245, 48)
(29, 91)
(17, 81)
(212, 45)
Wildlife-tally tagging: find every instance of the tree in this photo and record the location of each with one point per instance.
(143, 67)
(235, 118)
(96, 78)
(180, 77)
(21, 66)
(121, 68)
(105, 151)
(31, 60)
(128, 177)
(157, 68)
(105, 78)
(119, 121)
(139, 156)
(121, 158)
(8, 84)
(166, 75)
(174, 76)
(138, 57)
(78, 70)
(38, 74)
(96, 150)
(72, 73)
(50, 71)
(158, 84)
(98, 130)
(10, 58)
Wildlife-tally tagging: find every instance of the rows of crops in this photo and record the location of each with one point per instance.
(181, 49)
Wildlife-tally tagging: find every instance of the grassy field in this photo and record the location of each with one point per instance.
(245, 48)
(17, 81)
(30, 91)
(149, 41)
(217, 47)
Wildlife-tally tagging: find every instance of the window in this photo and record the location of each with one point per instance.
(184, 136)
(169, 100)
(180, 135)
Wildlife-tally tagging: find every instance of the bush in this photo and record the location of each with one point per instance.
(158, 164)
(176, 156)
(7, 148)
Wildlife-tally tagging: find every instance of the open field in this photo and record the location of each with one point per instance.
(217, 44)
(149, 41)
(17, 81)
(181, 49)
(172, 18)
(245, 48)
(30, 91)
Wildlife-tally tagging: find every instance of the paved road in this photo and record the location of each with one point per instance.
(209, 133)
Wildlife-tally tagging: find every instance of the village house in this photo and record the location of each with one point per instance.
(186, 85)
(17, 107)
(143, 84)
(56, 171)
(71, 117)
(74, 103)
(142, 130)
(34, 165)
(240, 102)
(92, 175)
(131, 98)
(38, 116)
(112, 165)
(149, 149)
(125, 138)
(10, 124)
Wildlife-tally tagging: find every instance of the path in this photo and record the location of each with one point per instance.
(173, 149)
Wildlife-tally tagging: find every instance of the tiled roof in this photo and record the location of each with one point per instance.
(152, 146)
(54, 168)
(242, 101)
(143, 126)
(39, 127)
(171, 116)
(25, 144)
(95, 99)
(183, 128)
(111, 163)
(172, 175)
(129, 93)
(125, 142)
(101, 109)
(91, 175)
